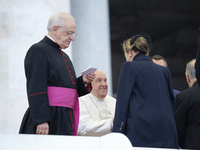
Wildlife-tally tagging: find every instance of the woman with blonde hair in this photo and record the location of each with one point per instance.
(145, 101)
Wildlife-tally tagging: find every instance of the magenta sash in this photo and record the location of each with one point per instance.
(65, 97)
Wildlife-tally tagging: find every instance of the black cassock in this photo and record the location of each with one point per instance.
(46, 65)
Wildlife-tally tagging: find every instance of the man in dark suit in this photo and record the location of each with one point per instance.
(162, 61)
(187, 111)
(197, 64)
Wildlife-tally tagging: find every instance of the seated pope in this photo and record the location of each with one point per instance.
(96, 109)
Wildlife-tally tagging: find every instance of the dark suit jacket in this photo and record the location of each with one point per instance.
(175, 93)
(187, 114)
(197, 64)
(144, 108)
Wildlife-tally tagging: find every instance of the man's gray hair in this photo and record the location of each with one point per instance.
(190, 70)
(58, 19)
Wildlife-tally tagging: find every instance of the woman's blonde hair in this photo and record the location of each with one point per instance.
(140, 44)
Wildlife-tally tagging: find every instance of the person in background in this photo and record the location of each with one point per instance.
(162, 61)
(187, 111)
(52, 85)
(145, 100)
(97, 108)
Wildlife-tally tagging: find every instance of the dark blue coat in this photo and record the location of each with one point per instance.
(145, 104)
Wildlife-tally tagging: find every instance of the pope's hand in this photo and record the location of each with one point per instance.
(88, 78)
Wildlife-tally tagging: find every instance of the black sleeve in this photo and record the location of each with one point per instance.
(181, 119)
(197, 64)
(82, 90)
(36, 70)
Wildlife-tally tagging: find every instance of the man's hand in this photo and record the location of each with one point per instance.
(88, 78)
(42, 128)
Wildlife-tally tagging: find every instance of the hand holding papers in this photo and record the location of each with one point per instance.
(88, 74)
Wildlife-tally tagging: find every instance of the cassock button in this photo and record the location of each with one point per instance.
(67, 66)
(65, 61)
(71, 77)
(69, 71)
(73, 82)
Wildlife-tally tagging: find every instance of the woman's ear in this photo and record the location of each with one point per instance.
(130, 54)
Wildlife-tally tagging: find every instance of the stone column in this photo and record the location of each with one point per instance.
(22, 23)
(91, 47)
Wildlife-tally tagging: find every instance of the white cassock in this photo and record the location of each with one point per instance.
(96, 115)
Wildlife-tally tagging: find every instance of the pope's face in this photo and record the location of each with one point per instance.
(99, 85)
